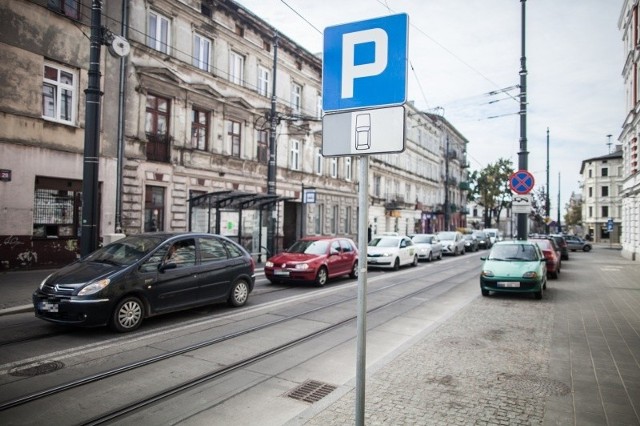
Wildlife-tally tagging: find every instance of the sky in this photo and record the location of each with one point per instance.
(464, 53)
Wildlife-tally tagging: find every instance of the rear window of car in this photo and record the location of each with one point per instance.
(544, 244)
(212, 249)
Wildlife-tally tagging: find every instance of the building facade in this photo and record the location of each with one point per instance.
(602, 181)
(186, 123)
(629, 25)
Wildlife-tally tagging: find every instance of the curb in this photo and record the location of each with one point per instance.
(16, 310)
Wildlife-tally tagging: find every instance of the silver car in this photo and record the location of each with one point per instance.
(452, 242)
(428, 246)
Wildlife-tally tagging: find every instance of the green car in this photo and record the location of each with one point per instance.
(514, 267)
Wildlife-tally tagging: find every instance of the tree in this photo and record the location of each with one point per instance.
(489, 188)
(573, 214)
(538, 210)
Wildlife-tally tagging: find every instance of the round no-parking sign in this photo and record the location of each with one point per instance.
(521, 182)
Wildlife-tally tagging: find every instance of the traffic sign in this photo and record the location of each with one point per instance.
(364, 63)
(521, 182)
(363, 131)
(521, 204)
(610, 225)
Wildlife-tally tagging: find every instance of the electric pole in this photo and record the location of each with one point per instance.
(523, 154)
(547, 210)
(271, 169)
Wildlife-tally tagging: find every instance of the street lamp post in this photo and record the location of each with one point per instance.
(271, 170)
(523, 154)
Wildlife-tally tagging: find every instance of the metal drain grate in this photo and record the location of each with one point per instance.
(533, 385)
(37, 369)
(311, 391)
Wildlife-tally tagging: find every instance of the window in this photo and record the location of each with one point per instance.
(347, 168)
(69, 8)
(319, 106)
(296, 97)
(201, 52)
(605, 211)
(158, 32)
(319, 161)
(199, 129)
(157, 128)
(235, 136)
(263, 81)
(212, 249)
(334, 167)
(347, 221)
(236, 68)
(377, 186)
(590, 192)
(319, 218)
(605, 171)
(262, 137)
(294, 155)
(335, 217)
(590, 211)
(153, 208)
(605, 191)
(59, 93)
(57, 207)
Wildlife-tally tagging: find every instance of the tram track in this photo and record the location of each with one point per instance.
(54, 390)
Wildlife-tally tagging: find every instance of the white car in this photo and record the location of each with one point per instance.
(389, 251)
(428, 246)
(452, 242)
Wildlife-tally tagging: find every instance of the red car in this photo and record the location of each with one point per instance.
(314, 260)
(551, 256)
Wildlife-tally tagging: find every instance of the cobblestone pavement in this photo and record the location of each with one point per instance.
(571, 359)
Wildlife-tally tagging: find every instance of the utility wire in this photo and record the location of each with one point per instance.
(302, 17)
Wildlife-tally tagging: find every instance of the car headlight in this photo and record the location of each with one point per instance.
(268, 264)
(302, 266)
(44, 281)
(530, 274)
(487, 273)
(94, 287)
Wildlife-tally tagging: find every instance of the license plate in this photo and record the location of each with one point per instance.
(48, 307)
(281, 273)
(508, 284)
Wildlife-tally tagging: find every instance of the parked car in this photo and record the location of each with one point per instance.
(514, 267)
(562, 243)
(389, 251)
(314, 260)
(135, 277)
(470, 243)
(428, 246)
(452, 242)
(484, 242)
(576, 243)
(551, 254)
(494, 235)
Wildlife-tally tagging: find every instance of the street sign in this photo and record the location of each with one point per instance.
(610, 225)
(521, 182)
(363, 131)
(364, 63)
(521, 204)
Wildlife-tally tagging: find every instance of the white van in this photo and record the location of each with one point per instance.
(494, 234)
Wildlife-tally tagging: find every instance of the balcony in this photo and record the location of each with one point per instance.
(158, 145)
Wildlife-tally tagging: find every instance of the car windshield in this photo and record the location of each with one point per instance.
(468, 237)
(520, 252)
(125, 251)
(422, 239)
(384, 242)
(309, 247)
(447, 236)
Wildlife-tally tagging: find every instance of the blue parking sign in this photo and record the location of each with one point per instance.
(365, 63)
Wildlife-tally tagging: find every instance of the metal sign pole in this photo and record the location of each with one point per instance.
(361, 346)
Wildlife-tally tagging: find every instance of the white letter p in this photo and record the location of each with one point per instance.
(351, 71)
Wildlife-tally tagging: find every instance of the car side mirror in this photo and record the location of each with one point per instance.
(483, 257)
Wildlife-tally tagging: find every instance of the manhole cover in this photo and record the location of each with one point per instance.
(460, 343)
(37, 369)
(534, 385)
(311, 391)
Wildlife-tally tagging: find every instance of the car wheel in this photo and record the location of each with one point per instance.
(538, 294)
(128, 315)
(484, 292)
(440, 257)
(587, 248)
(354, 270)
(455, 251)
(239, 293)
(321, 277)
(544, 286)
(554, 274)
(430, 258)
(415, 260)
(396, 264)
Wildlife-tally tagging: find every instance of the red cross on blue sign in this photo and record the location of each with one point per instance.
(521, 182)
